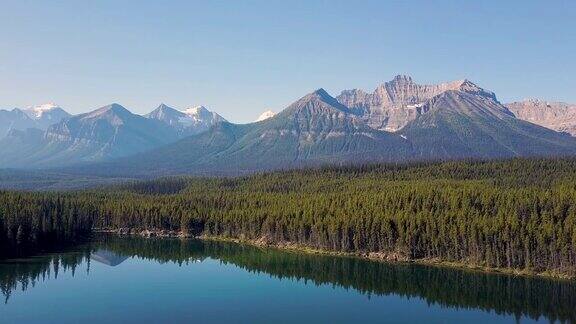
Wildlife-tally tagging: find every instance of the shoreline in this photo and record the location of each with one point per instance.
(391, 258)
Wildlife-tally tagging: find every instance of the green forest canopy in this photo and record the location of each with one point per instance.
(518, 213)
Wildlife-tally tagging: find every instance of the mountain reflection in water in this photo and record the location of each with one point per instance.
(503, 294)
(108, 257)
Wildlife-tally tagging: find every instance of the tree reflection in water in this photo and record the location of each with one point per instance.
(503, 294)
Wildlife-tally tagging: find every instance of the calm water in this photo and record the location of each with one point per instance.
(124, 280)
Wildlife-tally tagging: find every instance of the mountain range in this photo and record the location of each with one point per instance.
(400, 121)
(39, 117)
(188, 122)
(105, 133)
(395, 103)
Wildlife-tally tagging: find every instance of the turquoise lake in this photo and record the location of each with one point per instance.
(136, 280)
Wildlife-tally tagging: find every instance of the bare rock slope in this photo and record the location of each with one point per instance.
(558, 116)
(396, 103)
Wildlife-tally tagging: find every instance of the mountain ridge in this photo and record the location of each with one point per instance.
(317, 129)
(559, 116)
(400, 121)
(47, 114)
(106, 132)
(190, 121)
(39, 117)
(395, 103)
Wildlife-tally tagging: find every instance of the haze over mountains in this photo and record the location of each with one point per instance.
(400, 121)
(39, 117)
(105, 133)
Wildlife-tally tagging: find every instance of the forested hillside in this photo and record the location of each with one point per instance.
(518, 214)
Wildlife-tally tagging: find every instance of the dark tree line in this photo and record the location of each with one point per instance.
(517, 214)
(30, 222)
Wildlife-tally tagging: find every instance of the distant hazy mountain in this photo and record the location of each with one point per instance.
(395, 103)
(19, 148)
(265, 115)
(108, 132)
(46, 115)
(14, 119)
(188, 122)
(39, 117)
(558, 116)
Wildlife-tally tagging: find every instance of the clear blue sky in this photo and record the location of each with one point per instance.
(242, 57)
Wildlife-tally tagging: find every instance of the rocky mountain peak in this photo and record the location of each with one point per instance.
(166, 114)
(187, 122)
(18, 119)
(164, 109)
(354, 92)
(197, 110)
(47, 114)
(202, 114)
(14, 119)
(316, 101)
(19, 112)
(315, 113)
(115, 113)
(163, 106)
(395, 103)
(401, 78)
(321, 94)
(470, 87)
(116, 107)
(536, 101)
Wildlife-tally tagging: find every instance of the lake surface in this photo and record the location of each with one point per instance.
(135, 280)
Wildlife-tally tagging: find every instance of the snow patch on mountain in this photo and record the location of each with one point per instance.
(189, 121)
(265, 115)
(36, 112)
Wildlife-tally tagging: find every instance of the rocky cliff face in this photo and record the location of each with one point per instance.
(558, 116)
(395, 103)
